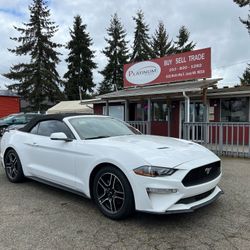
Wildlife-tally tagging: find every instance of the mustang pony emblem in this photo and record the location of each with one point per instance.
(207, 170)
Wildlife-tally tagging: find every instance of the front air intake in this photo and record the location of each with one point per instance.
(202, 174)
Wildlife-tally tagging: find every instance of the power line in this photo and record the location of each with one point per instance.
(230, 65)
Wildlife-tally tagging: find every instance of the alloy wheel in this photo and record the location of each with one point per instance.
(11, 165)
(110, 192)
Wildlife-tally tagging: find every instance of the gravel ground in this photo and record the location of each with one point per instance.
(36, 216)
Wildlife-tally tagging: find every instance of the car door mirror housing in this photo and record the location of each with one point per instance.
(60, 136)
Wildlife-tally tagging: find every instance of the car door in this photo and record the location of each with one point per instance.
(52, 160)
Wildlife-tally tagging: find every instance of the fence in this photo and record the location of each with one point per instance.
(223, 138)
(142, 126)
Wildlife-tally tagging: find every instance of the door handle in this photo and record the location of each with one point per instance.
(34, 144)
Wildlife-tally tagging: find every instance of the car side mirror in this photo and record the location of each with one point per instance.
(60, 136)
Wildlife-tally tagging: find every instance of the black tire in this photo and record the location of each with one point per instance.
(112, 193)
(13, 167)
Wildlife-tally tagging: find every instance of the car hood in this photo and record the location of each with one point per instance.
(159, 150)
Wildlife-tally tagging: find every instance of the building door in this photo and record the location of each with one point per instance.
(196, 116)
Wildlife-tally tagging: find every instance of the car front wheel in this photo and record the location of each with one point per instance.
(13, 167)
(112, 193)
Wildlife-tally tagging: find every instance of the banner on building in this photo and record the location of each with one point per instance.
(190, 65)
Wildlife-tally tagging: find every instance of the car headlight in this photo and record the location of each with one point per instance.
(153, 171)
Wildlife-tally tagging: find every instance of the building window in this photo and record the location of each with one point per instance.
(160, 111)
(235, 110)
(116, 111)
(141, 111)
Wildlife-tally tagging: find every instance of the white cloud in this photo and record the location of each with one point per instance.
(211, 24)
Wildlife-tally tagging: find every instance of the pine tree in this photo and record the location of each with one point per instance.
(80, 62)
(182, 44)
(243, 3)
(245, 79)
(160, 44)
(141, 46)
(36, 80)
(117, 53)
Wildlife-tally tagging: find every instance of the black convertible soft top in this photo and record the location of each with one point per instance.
(41, 118)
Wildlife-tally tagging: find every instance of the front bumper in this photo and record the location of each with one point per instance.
(181, 209)
(183, 199)
(198, 205)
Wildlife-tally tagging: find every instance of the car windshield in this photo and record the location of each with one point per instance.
(100, 127)
(7, 118)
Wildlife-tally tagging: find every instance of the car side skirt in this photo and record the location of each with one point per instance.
(52, 184)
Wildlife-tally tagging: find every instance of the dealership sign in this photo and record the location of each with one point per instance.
(190, 65)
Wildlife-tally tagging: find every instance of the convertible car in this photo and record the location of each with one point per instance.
(109, 161)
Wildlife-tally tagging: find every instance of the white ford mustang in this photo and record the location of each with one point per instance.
(111, 162)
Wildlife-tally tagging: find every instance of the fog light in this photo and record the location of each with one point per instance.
(162, 190)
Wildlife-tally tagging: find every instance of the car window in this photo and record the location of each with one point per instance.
(100, 127)
(46, 128)
(30, 117)
(19, 119)
(9, 119)
(34, 130)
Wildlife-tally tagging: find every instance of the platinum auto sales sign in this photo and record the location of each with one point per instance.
(190, 65)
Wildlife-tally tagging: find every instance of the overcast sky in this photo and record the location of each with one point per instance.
(212, 23)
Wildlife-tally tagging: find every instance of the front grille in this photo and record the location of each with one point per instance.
(195, 198)
(202, 174)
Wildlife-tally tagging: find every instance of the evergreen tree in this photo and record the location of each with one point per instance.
(245, 79)
(182, 44)
(117, 53)
(160, 44)
(243, 3)
(80, 62)
(141, 47)
(37, 80)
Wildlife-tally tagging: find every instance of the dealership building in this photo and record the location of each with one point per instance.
(177, 96)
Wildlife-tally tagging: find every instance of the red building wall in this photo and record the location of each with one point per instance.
(175, 119)
(98, 109)
(9, 105)
(159, 128)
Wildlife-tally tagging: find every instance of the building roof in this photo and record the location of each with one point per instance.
(230, 91)
(6, 92)
(163, 89)
(71, 107)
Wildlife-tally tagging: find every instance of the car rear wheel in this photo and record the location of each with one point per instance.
(13, 167)
(112, 193)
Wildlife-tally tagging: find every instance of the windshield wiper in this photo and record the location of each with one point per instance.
(97, 137)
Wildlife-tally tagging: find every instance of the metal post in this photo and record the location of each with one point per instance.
(187, 116)
(126, 111)
(221, 138)
(187, 107)
(169, 117)
(149, 117)
(80, 93)
(107, 108)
